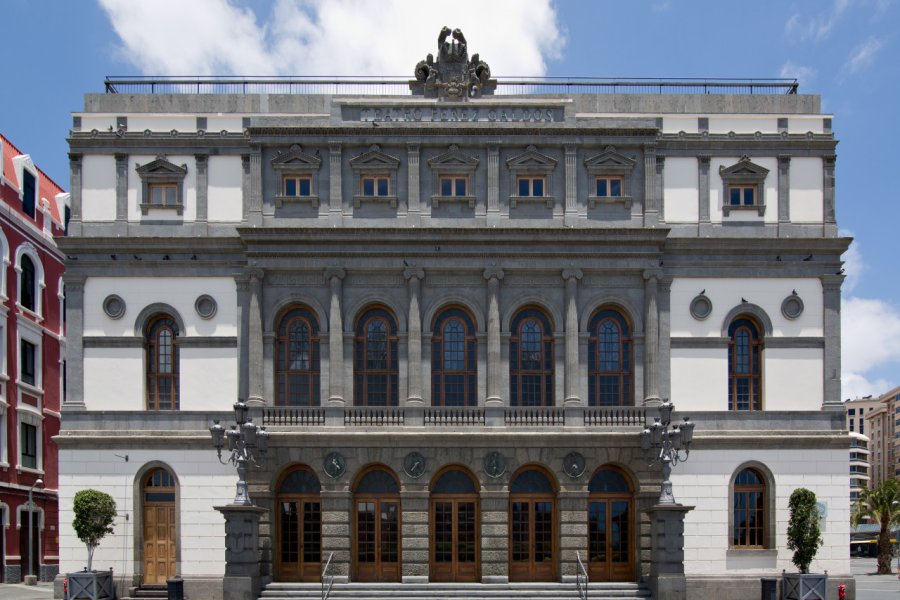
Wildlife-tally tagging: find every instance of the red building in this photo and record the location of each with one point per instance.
(32, 364)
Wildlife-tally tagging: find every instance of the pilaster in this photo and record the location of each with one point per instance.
(828, 211)
(255, 335)
(493, 185)
(334, 277)
(784, 192)
(75, 194)
(572, 375)
(664, 302)
(571, 215)
(651, 337)
(255, 215)
(202, 162)
(245, 186)
(703, 161)
(413, 202)
(651, 199)
(659, 185)
(74, 286)
(335, 196)
(493, 275)
(242, 286)
(414, 278)
(121, 192)
(831, 291)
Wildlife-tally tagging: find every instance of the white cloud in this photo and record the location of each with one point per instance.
(854, 266)
(870, 342)
(818, 27)
(338, 37)
(863, 55)
(803, 74)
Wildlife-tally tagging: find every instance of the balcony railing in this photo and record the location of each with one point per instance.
(399, 86)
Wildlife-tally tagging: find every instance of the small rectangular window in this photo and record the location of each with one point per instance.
(297, 186)
(454, 185)
(27, 357)
(531, 186)
(609, 187)
(29, 193)
(742, 195)
(376, 185)
(163, 194)
(28, 444)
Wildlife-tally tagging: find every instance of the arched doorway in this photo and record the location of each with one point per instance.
(376, 526)
(532, 526)
(455, 531)
(298, 549)
(158, 490)
(610, 534)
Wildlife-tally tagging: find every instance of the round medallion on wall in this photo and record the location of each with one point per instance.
(114, 306)
(335, 464)
(701, 307)
(573, 465)
(792, 307)
(206, 306)
(494, 464)
(414, 465)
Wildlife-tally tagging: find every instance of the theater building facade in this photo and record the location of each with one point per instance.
(454, 303)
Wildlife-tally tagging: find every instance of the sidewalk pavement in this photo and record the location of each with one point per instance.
(20, 591)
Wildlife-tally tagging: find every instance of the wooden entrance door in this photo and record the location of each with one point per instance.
(376, 527)
(159, 527)
(298, 541)
(532, 528)
(610, 534)
(455, 535)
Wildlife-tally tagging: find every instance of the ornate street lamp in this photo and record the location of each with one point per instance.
(241, 440)
(662, 445)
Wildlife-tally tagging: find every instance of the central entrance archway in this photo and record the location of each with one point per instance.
(610, 516)
(455, 531)
(376, 526)
(532, 526)
(298, 554)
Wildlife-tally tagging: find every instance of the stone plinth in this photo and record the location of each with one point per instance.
(667, 551)
(242, 575)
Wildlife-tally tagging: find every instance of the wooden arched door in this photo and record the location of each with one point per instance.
(532, 527)
(158, 489)
(610, 531)
(455, 531)
(376, 527)
(298, 546)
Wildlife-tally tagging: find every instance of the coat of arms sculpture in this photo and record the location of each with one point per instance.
(453, 76)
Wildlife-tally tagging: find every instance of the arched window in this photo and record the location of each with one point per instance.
(376, 369)
(377, 526)
(610, 526)
(455, 534)
(297, 377)
(454, 360)
(532, 526)
(298, 554)
(161, 363)
(27, 291)
(748, 521)
(531, 359)
(744, 362)
(610, 360)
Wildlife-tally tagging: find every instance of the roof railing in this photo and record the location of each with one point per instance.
(399, 86)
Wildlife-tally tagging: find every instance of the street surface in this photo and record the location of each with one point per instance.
(18, 591)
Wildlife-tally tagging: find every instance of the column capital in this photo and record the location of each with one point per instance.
(411, 273)
(832, 283)
(653, 274)
(73, 281)
(256, 275)
(784, 159)
(201, 158)
(75, 157)
(704, 159)
(575, 274)
(493, 273)
(334, 272)
(334, 146)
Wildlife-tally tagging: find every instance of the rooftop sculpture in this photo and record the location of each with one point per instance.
(452, 76)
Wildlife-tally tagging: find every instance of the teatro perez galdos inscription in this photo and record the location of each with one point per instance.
(452, 76)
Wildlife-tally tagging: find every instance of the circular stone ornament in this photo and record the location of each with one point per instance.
(494, 464)
(792, 307)
(701, 307)
(206, 306)
(414, 465)
(573, 465)
(335, 464)
(114, 306)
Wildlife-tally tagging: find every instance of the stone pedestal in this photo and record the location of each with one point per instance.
(242, 576)
(667, 551)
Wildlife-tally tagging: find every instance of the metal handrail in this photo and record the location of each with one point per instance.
(582, 574)
(326, 589)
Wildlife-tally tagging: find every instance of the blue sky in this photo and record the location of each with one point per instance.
(847, 51)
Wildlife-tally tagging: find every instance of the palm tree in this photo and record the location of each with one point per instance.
(882, 505)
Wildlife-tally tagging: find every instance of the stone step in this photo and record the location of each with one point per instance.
(450, 591)
(148, 592)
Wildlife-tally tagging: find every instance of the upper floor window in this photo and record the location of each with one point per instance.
(531, 175)
(377, 176)
(298, 171)
(376, 363)
(743, 186)
(162, 369)
(744, 365)
(454, 360)
(749, 507)
(28, 446)
(297, 377)
(453, 177)
(375, 185)
(454, 185)
(531, 359)
(531, 186)
(28, 284)
(608, 187)
(162, 185)
(610, 360)
(29, 193)
(610, 171)
(297, 185)
(28, 364)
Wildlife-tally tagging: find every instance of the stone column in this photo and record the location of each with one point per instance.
(651, 337)
(651, 199)
(255, 339)
(414, 277)
(242, 286)
(703, 161)
(242, 576)
(74, 286)
(493, 275)
(572, 375)
(659, 183)
(571, 215)
(202, 162)
(334, 276)
(122, 192)
(664, 301)
(831, 290)
(413, 205)
(255, 214)
(75, 191)
(828, 212)
(667, 551)
(336, 194)
(784, 193)
(493, 185)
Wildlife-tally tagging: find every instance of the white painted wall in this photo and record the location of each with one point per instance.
(793, 378)
(703, 482)
(716, 188)
(726, 293)
(190, 190)
(114, 379)
(203, 483)
(676, 124)
(807, 190)
(208, 377)
(743, 124)
(699, 379)
(225, 198)
(100, 122)
(216, 123)
(806, 123)
(680, 193)
(98, 188)
(162, 122)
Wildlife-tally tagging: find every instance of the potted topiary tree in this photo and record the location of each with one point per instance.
(804, 538)
(94, 514)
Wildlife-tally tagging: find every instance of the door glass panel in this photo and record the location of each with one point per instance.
(389, 532)
(520, 532)
(465, 532)
(443, 532)
(619, 531)
(312, 531)
(365, 532)
(289, 524)
(543, 532)
(597, 531)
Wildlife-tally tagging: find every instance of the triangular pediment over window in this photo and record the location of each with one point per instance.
(374, 158)
(453, 159)
(161, 167)
(744, 168)
(296, 159)
(609, 161)
(531, 159)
